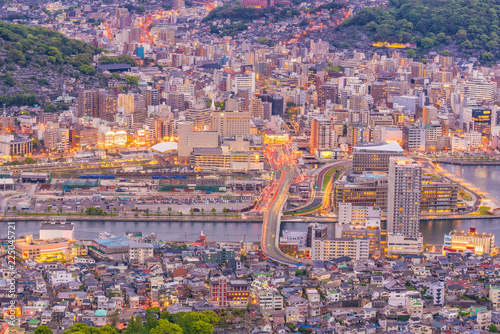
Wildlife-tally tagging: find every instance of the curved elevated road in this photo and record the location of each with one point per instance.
(272, 218)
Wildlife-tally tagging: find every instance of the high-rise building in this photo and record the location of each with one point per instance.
(375, 157)
(176, 101)
(155, 129)
(403, 207)
(278, 105)
(327, 92)
(257, 108)
(326, 249)
(126, 101)
(189, 139)
(414, 138)
(482, 118)
(225, 292)
(231, 123)
(166, 35)
(152, 97)
(315, 230)
(50, 139)
(245, 81)
(322, 136)
(88, 103)
(108, 107)
(478, 88)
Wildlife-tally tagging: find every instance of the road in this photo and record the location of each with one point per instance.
(272, 218)
(320, 198)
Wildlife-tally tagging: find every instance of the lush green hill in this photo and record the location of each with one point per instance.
(32, 58)
(23, 45)
(469, 24)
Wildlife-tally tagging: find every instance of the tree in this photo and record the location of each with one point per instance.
(211, 316)
(262, 40)
(86, 69)
(132, 80)
(29, 161)
(411, 53)
(491, 329)
(214, 211)
(49, 108)
(153, 310)
(191, 210)
(166, 327)
(427, 42)
(14, 208)
(202, 327)
(43, 329)
(487, 56)
(203, 211)
(195, 323)
(446, 53)
(151, 321)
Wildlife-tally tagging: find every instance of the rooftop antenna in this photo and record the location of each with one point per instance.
(64, 89)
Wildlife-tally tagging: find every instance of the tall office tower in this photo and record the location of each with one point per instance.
(152, 97)
(176, 101)
(231, 123)
(244, 97)
(107, 107)
(155, 129)
(312, 75)
(166, 35)
(429, 114)
(50, 139)
(315, 230)
(190, 139)
(414, 138)
(257, 108)
(321, 134)
(278, 105)
(403, 208)
(417, 69)
(135, 34)
(245, 81)
(483, 119)
(327, 92)
(126, 101)
(478, 88)
(88, 103)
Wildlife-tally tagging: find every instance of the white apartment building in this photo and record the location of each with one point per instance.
(271, 301)
(327, 249)
(140, 251)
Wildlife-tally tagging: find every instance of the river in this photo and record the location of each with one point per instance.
(486, 177)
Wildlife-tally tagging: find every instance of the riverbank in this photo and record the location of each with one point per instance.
(461, 162)
(229, 218)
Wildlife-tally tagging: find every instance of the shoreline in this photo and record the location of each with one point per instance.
(298, 219)
(467, 163)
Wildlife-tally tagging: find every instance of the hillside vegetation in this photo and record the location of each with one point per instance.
(22, 45)
(32, 58)
(469, 24)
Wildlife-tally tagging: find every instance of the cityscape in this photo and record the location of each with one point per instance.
(254, 166)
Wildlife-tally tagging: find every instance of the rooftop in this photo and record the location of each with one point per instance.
(389, 147)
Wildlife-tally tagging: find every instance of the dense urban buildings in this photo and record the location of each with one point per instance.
(324, 166)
